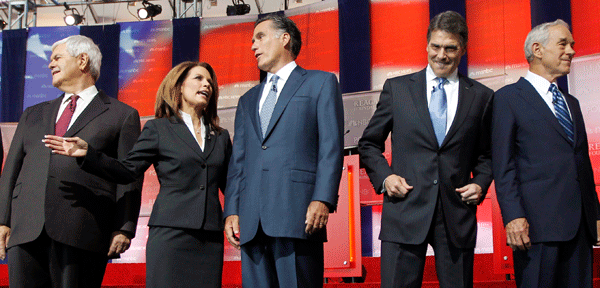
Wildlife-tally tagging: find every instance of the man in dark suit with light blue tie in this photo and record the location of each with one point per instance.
(544, 178)
(441, 165)
(286, 164)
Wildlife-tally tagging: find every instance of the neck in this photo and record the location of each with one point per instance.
(77, 86)
(282, 62)
(539, 70)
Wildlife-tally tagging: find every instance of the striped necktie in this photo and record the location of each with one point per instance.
(562, 114)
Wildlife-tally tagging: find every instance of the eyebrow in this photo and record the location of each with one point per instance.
(444, 46)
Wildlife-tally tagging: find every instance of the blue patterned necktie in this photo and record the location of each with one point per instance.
(438, 110)
(269, 105)
(562, 114)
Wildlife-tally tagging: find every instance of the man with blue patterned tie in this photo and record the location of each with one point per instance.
(441, 166)
(544, 178)
(286, 164)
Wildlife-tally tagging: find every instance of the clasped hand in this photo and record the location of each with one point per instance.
(67, 146)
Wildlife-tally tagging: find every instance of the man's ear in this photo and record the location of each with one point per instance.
(537, 49)
(84, 61)
(286, 39)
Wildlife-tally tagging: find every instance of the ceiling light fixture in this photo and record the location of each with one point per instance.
(149, 10)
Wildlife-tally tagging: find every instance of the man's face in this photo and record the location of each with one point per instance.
(63, 66)
(268, 48)
(556, 56)
(444, 52)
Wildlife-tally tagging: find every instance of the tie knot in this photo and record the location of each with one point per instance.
(274, 80)
(73, 102)
(555, 92)
(441, 82)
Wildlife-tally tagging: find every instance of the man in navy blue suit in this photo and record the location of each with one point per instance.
(544, 178)
(286, 164)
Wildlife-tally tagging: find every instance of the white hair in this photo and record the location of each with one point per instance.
(540, 34)
(77, 45)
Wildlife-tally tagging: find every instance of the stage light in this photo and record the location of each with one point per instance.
(237, 8)
(2, 24)
(149, 10)
(73, 18)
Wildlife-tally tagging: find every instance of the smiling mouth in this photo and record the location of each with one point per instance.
(204, 93)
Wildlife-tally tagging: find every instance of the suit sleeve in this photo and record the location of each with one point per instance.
(504, 129)
(129, 197)
(482, 172)
(223, 178)
(12, 169)
(330, 123)
(372, 143)
(236, 179)
(130, 169)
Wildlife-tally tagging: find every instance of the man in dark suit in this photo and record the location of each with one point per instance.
(439, 122)
(544, 178)
(286, 165)
(60, 224)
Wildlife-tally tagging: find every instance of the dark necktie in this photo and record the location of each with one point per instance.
(562, 114)
(63, 122)
(437, 110)
(268, 105)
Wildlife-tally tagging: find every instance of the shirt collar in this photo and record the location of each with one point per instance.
(284, 72)
(541, 85)
(430, 76)
(86, 95)
(187, 119)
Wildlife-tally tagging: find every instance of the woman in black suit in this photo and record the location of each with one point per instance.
(190, 153)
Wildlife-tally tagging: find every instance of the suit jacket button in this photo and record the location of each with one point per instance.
(435, 182)
(264, 147)
(203, 166)
(201, 187)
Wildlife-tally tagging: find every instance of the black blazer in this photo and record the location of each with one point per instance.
(189, 177)
(539, 174)
(430, 169)
(39, 189)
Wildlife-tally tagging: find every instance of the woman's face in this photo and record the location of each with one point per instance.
(196, 89)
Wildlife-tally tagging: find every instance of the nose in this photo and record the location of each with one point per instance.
(254, 46)
(51, 64)
(569, 50)
(441, 54)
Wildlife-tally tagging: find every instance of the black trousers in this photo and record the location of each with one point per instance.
(47, 263)
(556, 264)
(402, 265)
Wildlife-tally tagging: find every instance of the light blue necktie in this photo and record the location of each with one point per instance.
(269, 105)
(562, 114)
(438, 111)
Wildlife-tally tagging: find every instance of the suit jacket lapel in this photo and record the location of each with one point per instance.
(100, 103)
(534, 99)
(51, 113)
(183, 132)
(291, 86)
(253, 108)
(465, 99)
(419, 96)
(209, 142)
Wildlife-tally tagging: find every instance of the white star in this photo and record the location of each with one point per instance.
(127, 43)
(35, 46)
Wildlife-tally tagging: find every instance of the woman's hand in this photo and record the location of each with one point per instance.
(71, 146)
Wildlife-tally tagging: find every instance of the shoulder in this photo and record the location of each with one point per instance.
(478, 87)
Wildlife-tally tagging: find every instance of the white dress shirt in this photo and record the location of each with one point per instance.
(542, 86)
(187, 119)
(85, 98)
(284, 74)
(451, 88)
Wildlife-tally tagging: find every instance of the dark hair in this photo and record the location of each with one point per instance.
(284, 25)
(450, 22)
(168, 96)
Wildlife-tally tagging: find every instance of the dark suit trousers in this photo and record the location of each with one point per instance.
(282, 262)
(402, 265)
(184, 257)
(556, 264)
(47, 263)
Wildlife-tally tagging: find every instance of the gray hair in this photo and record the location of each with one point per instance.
(77, 45)
(540, 34)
